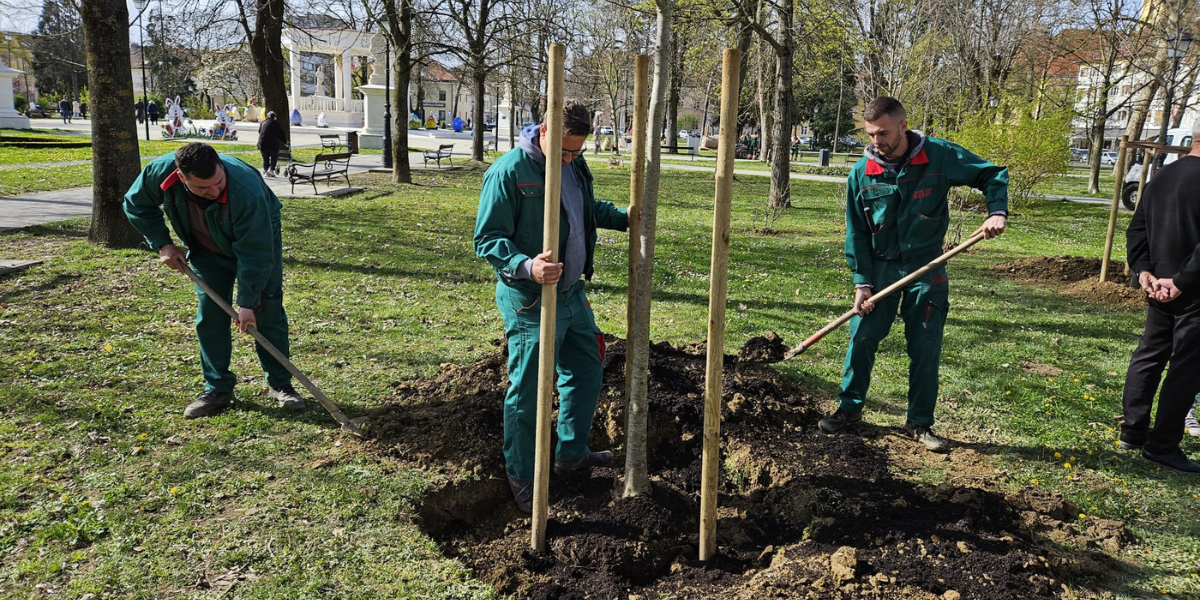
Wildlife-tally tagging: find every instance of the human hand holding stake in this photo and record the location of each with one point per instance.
(865, 299)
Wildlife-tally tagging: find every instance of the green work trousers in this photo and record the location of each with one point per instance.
(578, 351)
(213, 324)
(923, 305)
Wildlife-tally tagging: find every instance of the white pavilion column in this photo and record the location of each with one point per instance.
(9, 117)
(294, 67)
(345, 89)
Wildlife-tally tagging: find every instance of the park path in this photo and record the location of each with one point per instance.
(24, 210)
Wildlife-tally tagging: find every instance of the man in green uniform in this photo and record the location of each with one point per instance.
(896, 220)
(508, 234)
(229, 219)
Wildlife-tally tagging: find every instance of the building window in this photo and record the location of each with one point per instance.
(441, 95)
(1125, 89)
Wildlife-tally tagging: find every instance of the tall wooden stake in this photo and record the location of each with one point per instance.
(717, 288)
(1112, 216)
(635, 449)
(546, 366)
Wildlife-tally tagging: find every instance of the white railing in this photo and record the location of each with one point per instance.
(315, 104)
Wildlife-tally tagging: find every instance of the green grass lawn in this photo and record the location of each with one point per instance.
(1077, 186)
(108, 491)
(24, 156)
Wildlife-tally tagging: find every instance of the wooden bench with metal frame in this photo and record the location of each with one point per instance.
(445, 151)
(324, 166)
(331, 141)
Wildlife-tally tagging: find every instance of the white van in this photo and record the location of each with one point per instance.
(1175, 137)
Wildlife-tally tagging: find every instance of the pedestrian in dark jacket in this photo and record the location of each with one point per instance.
(152, 112)
(1163, 246)
(139, 110)
(270, 139)
(64, 109)
(83, 109)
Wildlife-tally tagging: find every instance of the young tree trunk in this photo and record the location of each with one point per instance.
(636, 476)
(115, 156)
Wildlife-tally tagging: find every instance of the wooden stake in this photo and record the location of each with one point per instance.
(546, 365)
(1112, 215)
(637, 179)
(717, 287)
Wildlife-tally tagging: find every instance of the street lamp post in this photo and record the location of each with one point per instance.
(387, 103)
(141, 6)
(1177, 47)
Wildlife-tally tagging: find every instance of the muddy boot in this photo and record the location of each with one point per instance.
(523, 493)
(839, 420)
(207, 404)
(591, 459)
(287, 397)
(926, 436)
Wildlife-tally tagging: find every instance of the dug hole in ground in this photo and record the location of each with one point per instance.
(802, 514)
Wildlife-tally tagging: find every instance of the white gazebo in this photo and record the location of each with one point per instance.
(346, 46)
(9, 117)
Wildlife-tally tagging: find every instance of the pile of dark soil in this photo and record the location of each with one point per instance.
(1076, 276)
(801, 514)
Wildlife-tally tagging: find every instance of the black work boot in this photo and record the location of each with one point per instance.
(1176, 461)
(287, 397)
(522, 492)
(839, 420)
(591, 459)
(208, 403)
(1131, 441)
(925, 435)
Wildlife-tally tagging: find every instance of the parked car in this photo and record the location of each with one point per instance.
(1181, 137)
(1079, 154)
(1108, 158)
(606, 130)
(37, 112)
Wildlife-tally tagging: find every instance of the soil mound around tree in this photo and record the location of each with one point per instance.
(1076, 276)
(801, 514)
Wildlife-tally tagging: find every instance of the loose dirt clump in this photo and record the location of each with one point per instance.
(1076, 276)
(801, 514)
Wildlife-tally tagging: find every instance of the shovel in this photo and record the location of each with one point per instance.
(911, 277)
(350, 426)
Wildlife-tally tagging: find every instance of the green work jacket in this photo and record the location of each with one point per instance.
(904, 216)
(242, 222)
(512, 208)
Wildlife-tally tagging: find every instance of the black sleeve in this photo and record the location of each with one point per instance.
(1137, 244)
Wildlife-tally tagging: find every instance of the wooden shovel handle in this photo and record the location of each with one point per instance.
(347, 425)
(907, 279)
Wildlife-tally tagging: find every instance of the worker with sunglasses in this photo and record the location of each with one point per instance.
(508, 234)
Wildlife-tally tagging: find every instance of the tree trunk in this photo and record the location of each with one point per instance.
(266, 47)
(477, 133)
(673, 101)
(1097, 134)
(637, 479)
(115, 155)
(1185, 95)
(400, 23)
(781, 181)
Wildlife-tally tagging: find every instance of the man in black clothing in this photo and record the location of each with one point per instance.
(1163, 246)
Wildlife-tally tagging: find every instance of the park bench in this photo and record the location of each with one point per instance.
(443, 151)
(324, 166)
(331, 141)
(489, 145)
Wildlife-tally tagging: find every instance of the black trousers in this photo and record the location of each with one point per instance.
(1172, 336)
(270, 157)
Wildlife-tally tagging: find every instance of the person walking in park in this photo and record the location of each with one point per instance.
(64, 109)
(270, 138)
(1163, 246)
(897, 215)
(229, 220)
(83, 109)
(508, 234)
(139, 110)
(75, 108)
(152, 112)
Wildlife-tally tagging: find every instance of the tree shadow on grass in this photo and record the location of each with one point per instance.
(57, 281)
